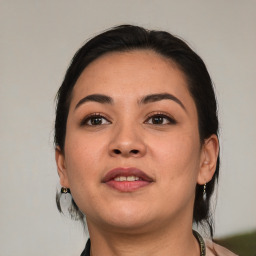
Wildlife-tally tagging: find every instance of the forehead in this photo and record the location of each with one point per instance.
(131, 74)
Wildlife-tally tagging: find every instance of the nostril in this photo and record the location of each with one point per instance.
(134, 151)
(117, 151)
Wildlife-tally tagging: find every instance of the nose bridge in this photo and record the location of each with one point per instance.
(127, 140)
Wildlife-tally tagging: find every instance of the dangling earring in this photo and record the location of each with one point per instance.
(204, 192)
(67, 202)
(65, 191)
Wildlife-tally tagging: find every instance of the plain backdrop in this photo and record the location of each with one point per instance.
(37, 42)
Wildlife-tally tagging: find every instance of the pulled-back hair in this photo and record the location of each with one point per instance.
(127, 38)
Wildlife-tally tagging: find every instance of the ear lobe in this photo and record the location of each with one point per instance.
(209, 155)
(61, 167)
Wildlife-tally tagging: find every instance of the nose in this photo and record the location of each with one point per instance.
(127, 142)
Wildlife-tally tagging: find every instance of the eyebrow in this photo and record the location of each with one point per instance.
(100, 98)
(160, 96)
(104, 99)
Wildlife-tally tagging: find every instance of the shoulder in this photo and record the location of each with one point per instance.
(213, 249)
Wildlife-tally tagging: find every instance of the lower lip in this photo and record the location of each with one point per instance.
(127, 186)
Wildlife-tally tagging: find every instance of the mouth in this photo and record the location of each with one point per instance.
(127, 179)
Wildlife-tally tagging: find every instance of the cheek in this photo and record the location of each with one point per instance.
(178, 166)
(83, 155)
(179, 158)
(83, 162)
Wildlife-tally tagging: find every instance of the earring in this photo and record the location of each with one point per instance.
(65, 190)
(204, 192)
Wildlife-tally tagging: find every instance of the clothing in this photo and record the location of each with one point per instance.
(86, 251)
(212, 249)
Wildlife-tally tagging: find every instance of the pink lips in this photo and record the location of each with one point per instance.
(126, 186)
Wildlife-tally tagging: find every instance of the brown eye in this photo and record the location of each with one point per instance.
(157, 120)
(95, 120)
(160, 120)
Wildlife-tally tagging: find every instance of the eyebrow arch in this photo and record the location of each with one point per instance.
(100, 98)
(160, 96)
(104, 99)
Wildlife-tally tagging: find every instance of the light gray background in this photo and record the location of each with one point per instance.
(38, 39)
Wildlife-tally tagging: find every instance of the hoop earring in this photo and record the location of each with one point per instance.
(204, 192)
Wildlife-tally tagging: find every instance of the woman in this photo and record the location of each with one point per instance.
(136, 137)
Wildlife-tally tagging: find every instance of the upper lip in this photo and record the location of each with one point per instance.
(130, 171)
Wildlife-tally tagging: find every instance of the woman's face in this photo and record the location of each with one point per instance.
(132, 150)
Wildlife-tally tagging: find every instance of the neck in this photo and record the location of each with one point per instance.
(175, 240)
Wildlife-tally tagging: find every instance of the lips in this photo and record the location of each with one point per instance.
(126, 179)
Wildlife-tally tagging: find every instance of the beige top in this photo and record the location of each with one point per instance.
(213, 249)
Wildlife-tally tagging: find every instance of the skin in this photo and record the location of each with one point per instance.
(126, 223)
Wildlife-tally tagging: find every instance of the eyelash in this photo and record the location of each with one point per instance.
(91, 116)
(170, 119)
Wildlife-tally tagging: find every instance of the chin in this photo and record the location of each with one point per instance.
(125, 219)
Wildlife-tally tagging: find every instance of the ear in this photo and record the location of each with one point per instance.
(208, 160)
(61, 167)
